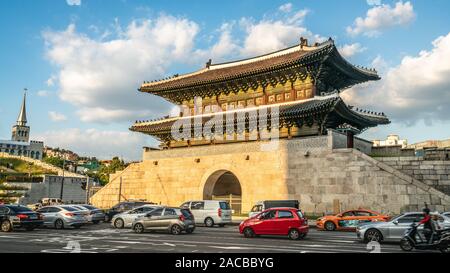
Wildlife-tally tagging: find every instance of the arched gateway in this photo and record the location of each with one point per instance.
(224, 185)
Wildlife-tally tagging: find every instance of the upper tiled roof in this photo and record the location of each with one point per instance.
(253, 66)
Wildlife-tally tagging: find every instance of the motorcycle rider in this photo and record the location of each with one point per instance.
(427, 224)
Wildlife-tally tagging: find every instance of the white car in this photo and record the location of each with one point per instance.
(126, 219)
(210, 212)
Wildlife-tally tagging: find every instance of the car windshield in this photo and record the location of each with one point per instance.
(299, 213)
(89, 207)
(224, 205)
(70, 208)
(186, 213)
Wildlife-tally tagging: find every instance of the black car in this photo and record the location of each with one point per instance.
(15, 216)
(124, 206)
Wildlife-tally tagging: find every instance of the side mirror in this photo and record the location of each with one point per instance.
(395, 222)
(148, 216)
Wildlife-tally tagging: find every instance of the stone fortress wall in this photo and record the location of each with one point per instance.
(316, 171)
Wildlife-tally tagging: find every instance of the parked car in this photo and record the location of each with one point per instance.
(276, 221)
(349, 220)
(167, 219)
(210, 212)
(268, 204)
(394, 229)
(94, 215)
(447, 214)
(126, 219)
(15, 216)
(60, 217)
(122, 207)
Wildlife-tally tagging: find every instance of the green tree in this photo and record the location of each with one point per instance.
(55, 161)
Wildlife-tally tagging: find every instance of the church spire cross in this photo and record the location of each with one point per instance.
(22, 119)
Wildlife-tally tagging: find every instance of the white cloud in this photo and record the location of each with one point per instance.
(73, 2)
(51, 81)
(373, 2)
(348, 51)
(103, 75)
(382, 17)
(270, 35)
(43, 93)
(416, 89)
(99, 143)
(56, 117)
(286, 7)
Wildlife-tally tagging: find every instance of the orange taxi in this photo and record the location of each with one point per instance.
(349, 220)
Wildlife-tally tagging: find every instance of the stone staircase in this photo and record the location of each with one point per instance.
(434, 173)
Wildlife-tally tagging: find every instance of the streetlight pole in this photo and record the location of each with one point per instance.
(87, 189)
(62, 181)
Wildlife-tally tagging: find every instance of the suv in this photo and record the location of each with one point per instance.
(122, 207)
(276, 221)
(14, 216)
(210, 212)
(173, 220)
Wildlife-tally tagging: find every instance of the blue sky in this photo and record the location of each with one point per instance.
(82, 60)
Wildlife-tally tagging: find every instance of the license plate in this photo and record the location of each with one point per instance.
(190, 226)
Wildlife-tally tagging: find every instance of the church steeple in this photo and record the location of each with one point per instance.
(22, 119)
(20, 131)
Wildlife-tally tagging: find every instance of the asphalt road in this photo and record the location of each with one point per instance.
(104, 239)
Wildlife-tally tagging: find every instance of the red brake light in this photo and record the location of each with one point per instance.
(22, 216)
(182, 218)
(219, 212)
(69, 214)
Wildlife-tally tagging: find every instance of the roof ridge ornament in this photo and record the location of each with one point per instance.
(208, 64)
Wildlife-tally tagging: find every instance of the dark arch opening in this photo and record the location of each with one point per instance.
(224, 185)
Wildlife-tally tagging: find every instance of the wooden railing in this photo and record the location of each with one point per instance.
(235, 201)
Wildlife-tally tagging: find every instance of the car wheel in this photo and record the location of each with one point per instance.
(249, 233)
(138, 228)
(175, 230)
(209, 222)
(445, 249)
(59, 224)
(406, 244)
(190, 231)
(30, 228)
(119, 223)
(330, 226)
(6, 226)
(373, 235)
(294, 234)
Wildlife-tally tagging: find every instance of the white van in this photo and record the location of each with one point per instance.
(210, 212)
(263, 205)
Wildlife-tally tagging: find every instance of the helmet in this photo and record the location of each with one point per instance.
(426, 210)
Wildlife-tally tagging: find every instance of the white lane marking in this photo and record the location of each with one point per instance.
(229, 247)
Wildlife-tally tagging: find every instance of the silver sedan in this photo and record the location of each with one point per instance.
(393, 230)
(93, 214)
(126, 219)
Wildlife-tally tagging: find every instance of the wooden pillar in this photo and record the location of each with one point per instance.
(350, 139)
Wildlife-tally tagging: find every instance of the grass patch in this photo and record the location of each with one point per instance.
(23, 166)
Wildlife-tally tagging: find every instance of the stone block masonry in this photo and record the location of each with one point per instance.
(307, 169)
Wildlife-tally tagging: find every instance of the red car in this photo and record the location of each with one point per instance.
(276, 221)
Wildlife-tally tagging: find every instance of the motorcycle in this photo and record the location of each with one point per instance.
(417, 240)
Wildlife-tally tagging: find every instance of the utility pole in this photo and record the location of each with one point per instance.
(62, 181)
(120, 189)
(87, 189)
